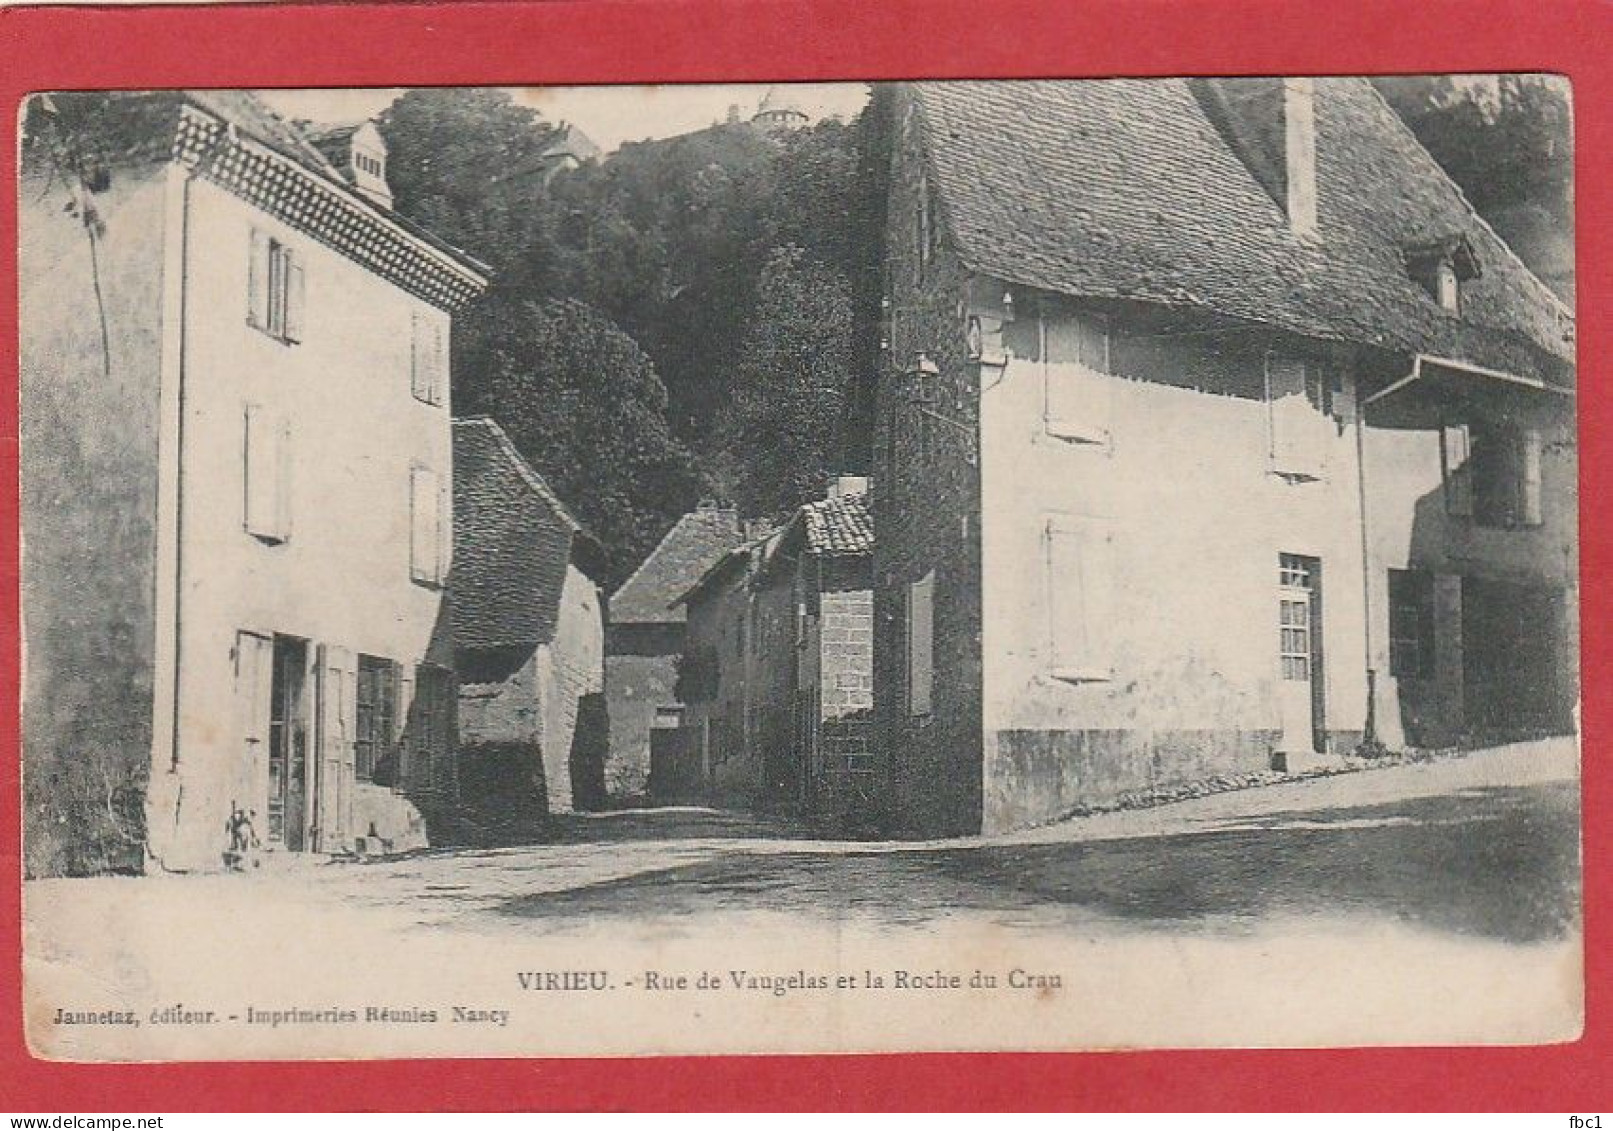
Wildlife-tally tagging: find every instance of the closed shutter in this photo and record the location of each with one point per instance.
(254, 671)
(1456, 450)
(1529, 506)
(403, 736)
(333, 796)
(428, 353)
(1296, 419)
(1079, 584)
(266, 471)
(921, 644)
(257, 279)
(425, 507)
(295, 304)
(1078, 390)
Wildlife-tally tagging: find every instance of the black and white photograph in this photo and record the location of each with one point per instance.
(803, 567)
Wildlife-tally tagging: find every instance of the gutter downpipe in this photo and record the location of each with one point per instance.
(1369, 728)
(203, 163)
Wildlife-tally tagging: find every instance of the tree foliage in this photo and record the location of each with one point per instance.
(792, 373)
(743, 268)
(1507, 140)
(582, 402)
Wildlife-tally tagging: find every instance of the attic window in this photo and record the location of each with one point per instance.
(1440, 267)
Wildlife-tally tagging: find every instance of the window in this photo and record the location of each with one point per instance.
(427, 543)
(1411, 623)
(1297, 583)
(1448, 289)
(1296, 399)
(1076, 367)
(921, 645)
(275, 289)
(1078, 564)
(266, 443)
(377, 705)
(428, 358)
(1492, 473)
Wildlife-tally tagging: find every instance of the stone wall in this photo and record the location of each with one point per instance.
(926, 503)
(89, 424)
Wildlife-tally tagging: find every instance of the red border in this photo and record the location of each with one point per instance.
(701, 40)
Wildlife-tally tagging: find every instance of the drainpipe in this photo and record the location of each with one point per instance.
(1369, 730)
(203, 163)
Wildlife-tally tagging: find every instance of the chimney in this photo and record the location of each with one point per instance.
(844, 485)
(1299, 146)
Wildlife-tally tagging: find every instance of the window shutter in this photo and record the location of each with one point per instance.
(265, 472)
(403, 735)
(1079, 392)
(1298, 426)
(257, 280)
(1529, 508)
(282, 477)
(1456, 450)
(294, 297)
(417, 358)
(921, 644)
(1079, 590)
(438, 379)
(445, 530)
(424, 505)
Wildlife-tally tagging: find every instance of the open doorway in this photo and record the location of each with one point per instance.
(288, 745)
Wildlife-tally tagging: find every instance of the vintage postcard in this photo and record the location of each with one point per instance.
(619, 570)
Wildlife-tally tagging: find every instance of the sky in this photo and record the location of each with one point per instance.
(610, 115)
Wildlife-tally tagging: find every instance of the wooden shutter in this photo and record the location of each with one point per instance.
(333, 794)
(1078, 390)
(1297, 423)
(921, 644)
(257, 279)
(438, 360)
(295, 304)
(254, 672)
(1456, 450)
(266, 474)
(417, 358)
(1529, 493)
(1079, 586)
(403, 736)
(428, 357)
(425, 509)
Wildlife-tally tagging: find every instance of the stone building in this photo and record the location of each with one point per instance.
(777, 671)
(1217, 433)
(644, 638)
(529, 635)
(236, 442)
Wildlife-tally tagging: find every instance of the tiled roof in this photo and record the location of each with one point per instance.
(841, 526)
(1125, 189)
(513, 539)
(252, 116)
(690, 548)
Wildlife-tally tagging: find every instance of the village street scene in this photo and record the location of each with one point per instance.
(1129, 525)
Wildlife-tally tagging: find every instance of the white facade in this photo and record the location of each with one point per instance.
(304, 522)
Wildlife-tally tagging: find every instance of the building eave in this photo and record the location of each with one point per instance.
(329, 211)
